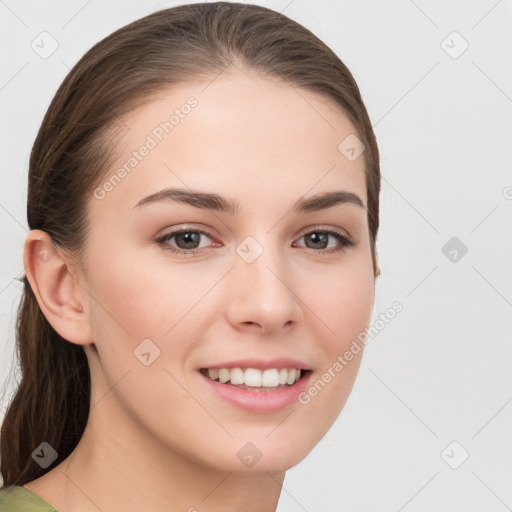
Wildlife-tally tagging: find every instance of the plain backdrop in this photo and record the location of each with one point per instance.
(427, 426)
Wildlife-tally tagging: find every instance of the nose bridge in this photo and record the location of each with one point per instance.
(263, 286)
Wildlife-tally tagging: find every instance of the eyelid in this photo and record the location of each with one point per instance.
(174, 230)
(302, 232)
(321, 227)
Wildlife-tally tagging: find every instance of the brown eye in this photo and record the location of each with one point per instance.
(188, 240)
(185, 241)
(320, 241)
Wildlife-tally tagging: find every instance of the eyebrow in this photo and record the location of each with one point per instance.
(211, 201)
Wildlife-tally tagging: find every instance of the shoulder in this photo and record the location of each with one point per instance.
(17, 498)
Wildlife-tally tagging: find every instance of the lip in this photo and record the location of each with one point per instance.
(280, 362)
(259, 401)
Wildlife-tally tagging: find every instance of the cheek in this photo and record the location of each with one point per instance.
(342, 302)
(139, 297)
(346, 308)
(354, 299)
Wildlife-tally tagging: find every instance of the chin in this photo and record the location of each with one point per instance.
(261, 454)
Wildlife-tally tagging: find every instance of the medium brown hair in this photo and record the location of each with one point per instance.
(76, 144)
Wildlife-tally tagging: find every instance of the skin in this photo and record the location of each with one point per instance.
(157, 437)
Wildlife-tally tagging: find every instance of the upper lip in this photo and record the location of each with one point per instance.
(280, 362)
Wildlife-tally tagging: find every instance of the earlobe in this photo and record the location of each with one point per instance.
(55, 288)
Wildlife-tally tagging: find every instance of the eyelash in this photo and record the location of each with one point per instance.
(344, 240)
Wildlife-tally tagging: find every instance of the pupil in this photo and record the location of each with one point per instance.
(188, 239)
(319, 238)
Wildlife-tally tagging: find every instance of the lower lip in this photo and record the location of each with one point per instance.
(259, 401)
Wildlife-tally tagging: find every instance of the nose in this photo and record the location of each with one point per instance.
(263, 296)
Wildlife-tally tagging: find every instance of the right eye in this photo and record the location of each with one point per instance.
(187, 241)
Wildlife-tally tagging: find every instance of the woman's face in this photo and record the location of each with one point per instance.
(266, 288)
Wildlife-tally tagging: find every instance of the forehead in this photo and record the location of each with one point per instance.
(238, 133)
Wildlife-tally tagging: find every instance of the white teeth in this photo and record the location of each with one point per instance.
(255, 377)
(224, 375)
(236, 376)
(270, 378)
(252, 377)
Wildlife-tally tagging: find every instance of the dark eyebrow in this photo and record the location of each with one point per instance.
(326, 200)
(204, 200)
(210, 201)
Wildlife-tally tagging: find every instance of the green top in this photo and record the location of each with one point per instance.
(17, 498)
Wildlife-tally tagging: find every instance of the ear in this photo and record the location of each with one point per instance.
(61, 297)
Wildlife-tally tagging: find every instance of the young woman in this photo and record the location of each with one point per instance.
(203, 205)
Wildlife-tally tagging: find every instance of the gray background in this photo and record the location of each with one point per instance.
(441, 370)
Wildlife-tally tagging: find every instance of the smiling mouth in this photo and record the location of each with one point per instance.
(254, 379)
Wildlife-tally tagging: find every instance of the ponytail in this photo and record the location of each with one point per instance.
(52, 400)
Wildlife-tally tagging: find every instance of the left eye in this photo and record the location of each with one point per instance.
(321, 239)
